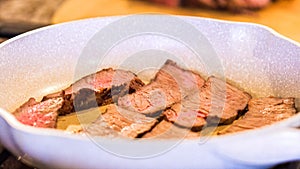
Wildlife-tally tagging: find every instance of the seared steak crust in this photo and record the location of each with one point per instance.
(167, 130)
(101, 88)
(262, 112)
(217, 102)
(169, 86)
(222, 101)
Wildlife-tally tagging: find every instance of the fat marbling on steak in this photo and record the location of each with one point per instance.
(39, 114)
(170, 85)
(262, 112)
(101, 88)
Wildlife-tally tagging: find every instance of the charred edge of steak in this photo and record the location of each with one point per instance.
(29, 103)
(242, 112)
(87, 98)
(54, 95)
(157, 114)
(166, 130)
(135, 85)
(235, 100)
(211, 120)
(263, 112)
(125, 82)
(159, 119)
(192, 128)
(297, 104)
(67, 106)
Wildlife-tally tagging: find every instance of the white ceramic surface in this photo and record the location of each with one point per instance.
(254, 57)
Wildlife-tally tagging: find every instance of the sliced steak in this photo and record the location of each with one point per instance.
(108, 79)
(39, 114)
(67, 106)
(185, 116)
(221, 101)
(262, 112)
(87, 98)
(125, 123)
(101, 88)
(217, 102)
(169, 86)
(167, 130)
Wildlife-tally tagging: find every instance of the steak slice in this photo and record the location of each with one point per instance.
(101, 88)
(186, 116)
(221, 101)
(108, 79)
(167, 130)
(217, 101)
(39, 114)
(118, 121)
(262, 112)
(169, 86)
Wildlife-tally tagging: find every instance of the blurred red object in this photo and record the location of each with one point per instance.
(171, 3)
(233, 5)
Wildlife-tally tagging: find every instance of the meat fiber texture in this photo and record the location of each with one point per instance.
(101, 88)
(91, 91)
(185, 116)
(106, 79)
(262, 112)
(170, 85)
(217, 102)
(39, 114)
(221, 101)
(116, 121)
(187, 99)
